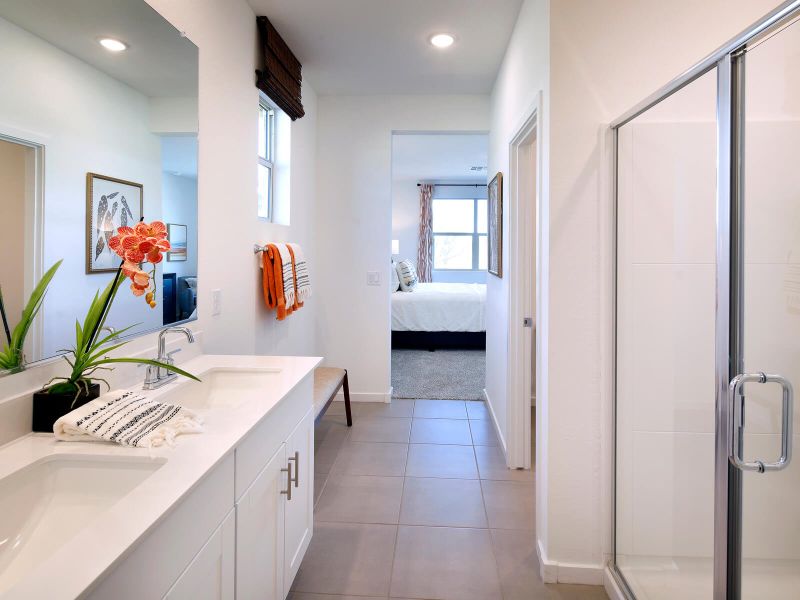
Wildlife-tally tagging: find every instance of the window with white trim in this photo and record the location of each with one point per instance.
(266, 159)
(460, 234)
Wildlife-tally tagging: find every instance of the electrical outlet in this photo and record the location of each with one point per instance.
(216, 302)
(373, 277)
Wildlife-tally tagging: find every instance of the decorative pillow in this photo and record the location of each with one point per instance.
(395, 278)
(408, 275)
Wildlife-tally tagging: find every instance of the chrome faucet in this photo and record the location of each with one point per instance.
(155, 376)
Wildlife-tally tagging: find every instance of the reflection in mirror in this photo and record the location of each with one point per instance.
(94, 136)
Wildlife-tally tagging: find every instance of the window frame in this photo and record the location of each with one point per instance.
(268, 161)
(475, 235)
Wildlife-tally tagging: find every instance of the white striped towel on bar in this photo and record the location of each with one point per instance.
(301, 272)
(129, 419)
(288, 273)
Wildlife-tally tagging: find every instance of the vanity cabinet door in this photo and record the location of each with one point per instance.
(210, 575)
(300, 509)
(260, 514)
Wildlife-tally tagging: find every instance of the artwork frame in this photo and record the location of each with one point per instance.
(101, 222)
(178, 235)
(495, 225)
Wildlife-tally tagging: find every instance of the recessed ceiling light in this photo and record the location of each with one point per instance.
(113, 45)
(442, 40)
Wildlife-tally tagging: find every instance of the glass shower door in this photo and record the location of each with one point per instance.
(769, 292)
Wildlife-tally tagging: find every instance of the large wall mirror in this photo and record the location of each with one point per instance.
(98, 129)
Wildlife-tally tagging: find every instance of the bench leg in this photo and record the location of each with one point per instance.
(346, 389)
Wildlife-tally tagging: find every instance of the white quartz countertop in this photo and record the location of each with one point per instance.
(73, 569)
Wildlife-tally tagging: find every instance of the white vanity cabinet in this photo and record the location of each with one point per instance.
(260, 514)
(300, 509)
(211, 575)
(239, 533)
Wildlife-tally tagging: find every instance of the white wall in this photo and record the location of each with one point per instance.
(180, 206)
(523, 77)
(354, 228)
(87, 122)
(225, 32)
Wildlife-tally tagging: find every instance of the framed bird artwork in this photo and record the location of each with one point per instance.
(110, 203)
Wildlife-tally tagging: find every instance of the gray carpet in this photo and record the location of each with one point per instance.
(440, 375)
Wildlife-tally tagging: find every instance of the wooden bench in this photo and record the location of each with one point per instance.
(327, 383)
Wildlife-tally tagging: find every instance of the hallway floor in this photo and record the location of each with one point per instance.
(414, 501)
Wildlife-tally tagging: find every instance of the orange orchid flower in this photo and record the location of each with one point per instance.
(146, 242)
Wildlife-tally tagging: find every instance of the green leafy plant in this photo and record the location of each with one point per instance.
(90, 353)
(12, 355)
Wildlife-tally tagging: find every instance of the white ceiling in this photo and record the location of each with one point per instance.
(381, 46)
(439, 158)
(158, 63)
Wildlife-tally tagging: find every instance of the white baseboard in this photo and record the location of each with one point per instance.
(497, 431)
(554, 572)
(386, 398)
(610, 585)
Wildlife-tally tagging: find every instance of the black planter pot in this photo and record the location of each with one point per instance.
(47, 407)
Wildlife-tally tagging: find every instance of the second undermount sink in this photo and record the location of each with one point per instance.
(48, 502)
(222, 387)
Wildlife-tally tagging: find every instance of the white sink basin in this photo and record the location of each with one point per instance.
(48, 502)
(222, 387)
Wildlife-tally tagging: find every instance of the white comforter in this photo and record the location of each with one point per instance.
(440, 307)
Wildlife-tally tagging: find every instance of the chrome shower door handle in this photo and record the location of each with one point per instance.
(735, 393)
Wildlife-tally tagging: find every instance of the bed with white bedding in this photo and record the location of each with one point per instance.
(445, 315)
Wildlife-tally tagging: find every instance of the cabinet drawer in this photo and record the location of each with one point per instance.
(253, 453)
(156, 562)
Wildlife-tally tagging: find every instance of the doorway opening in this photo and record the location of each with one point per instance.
(439, 260)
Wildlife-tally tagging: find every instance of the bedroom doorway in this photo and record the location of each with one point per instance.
(438, 291)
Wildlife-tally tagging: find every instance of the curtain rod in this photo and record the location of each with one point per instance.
(456, 184)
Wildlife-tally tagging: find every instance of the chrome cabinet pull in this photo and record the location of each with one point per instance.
(296, 459)
(288, 471)
(735, 393)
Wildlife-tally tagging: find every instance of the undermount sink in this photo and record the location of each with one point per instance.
(48, 502)
(222, 387)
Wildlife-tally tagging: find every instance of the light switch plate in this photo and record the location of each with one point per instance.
(216, 302)
(373, 277)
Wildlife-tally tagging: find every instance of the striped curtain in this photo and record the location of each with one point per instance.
(425, 250)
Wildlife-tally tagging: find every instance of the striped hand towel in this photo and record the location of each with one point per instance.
(287, 271)
(129, 419)
(302, 280)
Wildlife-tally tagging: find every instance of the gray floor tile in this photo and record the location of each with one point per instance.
(360, 499)
(379, 429)
(348, 558)
(396, 408)
(440, 431)
(576, 592)
(438, 460)
(442, 502)
(440, 409)
(319, 485)
(477, 410)
(444, 563)
(368, 458)
(492, 465)
(302, 596)
(518, 565)
(483, 433)
(510, 504)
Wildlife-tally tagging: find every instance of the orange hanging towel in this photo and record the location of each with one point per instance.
(272, 282)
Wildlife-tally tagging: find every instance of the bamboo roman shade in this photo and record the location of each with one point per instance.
(281, 78)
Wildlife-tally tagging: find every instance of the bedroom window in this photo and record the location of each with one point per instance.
(459, 235)
(266, 159)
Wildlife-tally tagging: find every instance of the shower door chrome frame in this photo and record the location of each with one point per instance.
(728, 60)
